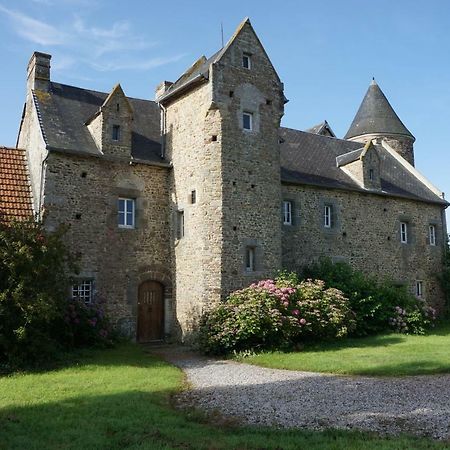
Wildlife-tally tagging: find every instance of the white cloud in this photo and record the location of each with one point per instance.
(117, 47)
(135, 64)
(34, 30)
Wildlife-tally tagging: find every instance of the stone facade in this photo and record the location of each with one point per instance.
(209, 189)
(83, 193)
(365, 232)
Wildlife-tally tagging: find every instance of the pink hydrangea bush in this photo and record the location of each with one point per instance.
(87, 324)
(273, 314)
(413, 319)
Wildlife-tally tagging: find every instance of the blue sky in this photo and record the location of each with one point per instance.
(325, 52)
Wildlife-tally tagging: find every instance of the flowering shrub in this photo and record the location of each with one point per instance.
(36, 320)
(87, 324)
(412, 320)
(372, 301)
(274, 314)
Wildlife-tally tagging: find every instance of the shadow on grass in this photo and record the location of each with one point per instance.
(144, 420)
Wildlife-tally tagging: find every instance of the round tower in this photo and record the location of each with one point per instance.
(377, 119)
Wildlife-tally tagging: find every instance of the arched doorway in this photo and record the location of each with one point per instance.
(150, 311)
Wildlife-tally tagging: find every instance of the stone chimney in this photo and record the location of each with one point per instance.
(162, 88)
(39, 72)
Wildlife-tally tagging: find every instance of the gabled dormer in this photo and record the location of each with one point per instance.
(111, 125)
(363, 166)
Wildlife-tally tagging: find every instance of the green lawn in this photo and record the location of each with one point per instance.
(384, 355)
(120, 398)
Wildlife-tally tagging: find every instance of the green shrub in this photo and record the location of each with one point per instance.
(274, 314)
(87, 324)
(444, 279)
(34, 284)
(373, 302)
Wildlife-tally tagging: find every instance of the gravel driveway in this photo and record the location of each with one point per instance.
(258, 396)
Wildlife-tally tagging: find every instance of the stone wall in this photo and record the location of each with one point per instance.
(30, 139)
(366, 234)
(83, 192)
(250, 160)
(191, 121)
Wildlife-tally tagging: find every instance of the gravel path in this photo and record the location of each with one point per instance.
(259, 396)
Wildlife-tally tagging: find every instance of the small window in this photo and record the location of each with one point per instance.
(403, 232)
(193, 197)
(432, 234)
(250, 259)
(180, 224)
(118, 107)
(247, 121)
(116, 132)
(371, 174)
(419, 289)
(327, 211)
(83, 290)
(126, 212)
(287, 213)
(246, 61)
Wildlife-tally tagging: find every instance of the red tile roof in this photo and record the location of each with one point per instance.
(15, 193)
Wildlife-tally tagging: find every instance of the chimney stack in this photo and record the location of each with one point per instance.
(162, 88)
(39, 72)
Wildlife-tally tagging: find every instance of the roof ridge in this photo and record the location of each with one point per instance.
(100, 92)
(320, 135)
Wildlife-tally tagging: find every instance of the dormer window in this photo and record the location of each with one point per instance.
(247, 121)
(116, 132)
(246, 61)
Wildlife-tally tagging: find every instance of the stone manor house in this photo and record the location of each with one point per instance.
(174, 203)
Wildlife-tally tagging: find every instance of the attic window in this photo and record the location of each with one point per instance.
(116, 132)
(246, 61)
(118, 107)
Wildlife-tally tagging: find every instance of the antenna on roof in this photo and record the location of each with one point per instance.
(221, 31)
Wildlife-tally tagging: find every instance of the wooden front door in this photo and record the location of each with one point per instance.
(150, 324)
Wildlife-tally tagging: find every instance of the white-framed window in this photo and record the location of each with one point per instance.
(83, 290)
(180, 224)
(250, 259)
(126, 212)
(287, 212)
(432, 234)
(116, 132)
(247, 121)
(404, 232)
(419, 288)
(327, 211)
(247, 61)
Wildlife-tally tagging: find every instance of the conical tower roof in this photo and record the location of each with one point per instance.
(376, 116)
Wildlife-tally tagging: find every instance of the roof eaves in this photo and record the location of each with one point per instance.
(442, 201)
(201, 77)
(347, 158)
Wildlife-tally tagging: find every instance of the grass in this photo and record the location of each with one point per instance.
(383, 355)
(120, 399)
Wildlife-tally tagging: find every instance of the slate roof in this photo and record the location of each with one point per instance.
(322, 128)
(308, 158)
(376, 115)
(15, 193)
(64, 110)
(198, 71)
